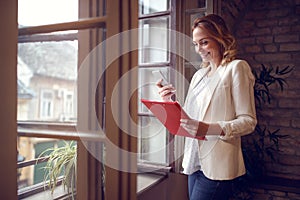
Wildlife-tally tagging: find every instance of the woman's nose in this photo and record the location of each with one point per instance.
(198, 48)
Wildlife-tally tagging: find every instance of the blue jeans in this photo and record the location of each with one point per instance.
(202, 188)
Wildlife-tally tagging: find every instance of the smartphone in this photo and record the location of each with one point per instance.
(158, 75)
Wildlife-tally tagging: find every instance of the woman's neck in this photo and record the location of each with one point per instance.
(213, 67)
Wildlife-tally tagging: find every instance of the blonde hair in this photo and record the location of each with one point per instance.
(216, 27)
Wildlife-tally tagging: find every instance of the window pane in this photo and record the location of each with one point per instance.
(154, 40)
(47, 74)
(153, 6)
(41, 12)
(147, 83)
(32, 148)
(152, 141)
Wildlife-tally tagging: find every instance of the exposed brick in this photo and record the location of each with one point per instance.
(283, 169)
(249, 40)
(263, 58)
(288, 21)
(291, 131)
(267, 22)
(296, 57)
(279, 12)
(277, 112)
(295, 29)
(297, 10)
(253, 49)
(288, 160)
(260, 31)
(270, 48)
(289, 103)
(268, 33)
(284, 122)
(277, 193)
(290, 47)
(264, 39)
(288, 149)
(294, 196)
(296, 123)
(243, 33)
(288, 93)
(281, 30)
(255, 15)
(285, 38)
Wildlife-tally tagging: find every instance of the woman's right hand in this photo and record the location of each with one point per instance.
(166, 92)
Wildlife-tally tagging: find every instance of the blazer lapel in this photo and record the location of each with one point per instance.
(209, 90)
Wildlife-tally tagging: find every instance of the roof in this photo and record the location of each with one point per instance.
(52, 59)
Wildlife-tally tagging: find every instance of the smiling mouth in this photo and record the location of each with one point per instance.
(204, 55)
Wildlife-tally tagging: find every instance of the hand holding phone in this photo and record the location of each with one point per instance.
(166, 90)
(159, 76)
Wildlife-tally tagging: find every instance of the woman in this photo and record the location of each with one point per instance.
(220, 102)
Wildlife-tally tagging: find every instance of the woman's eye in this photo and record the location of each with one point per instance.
(203, 42)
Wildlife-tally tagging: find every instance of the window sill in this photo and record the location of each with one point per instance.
(146, 181)
(59, 193)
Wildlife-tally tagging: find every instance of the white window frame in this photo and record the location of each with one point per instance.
(46, 104)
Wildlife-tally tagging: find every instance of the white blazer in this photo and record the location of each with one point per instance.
(228, 99)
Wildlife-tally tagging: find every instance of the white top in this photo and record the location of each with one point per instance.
(226, 98)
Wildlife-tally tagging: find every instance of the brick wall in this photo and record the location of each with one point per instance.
(268, 32)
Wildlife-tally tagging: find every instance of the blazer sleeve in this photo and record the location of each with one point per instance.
(245, 120)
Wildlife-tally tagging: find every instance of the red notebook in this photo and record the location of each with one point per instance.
(169, 114)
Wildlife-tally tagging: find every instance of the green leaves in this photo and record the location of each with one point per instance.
(262, 146)
(265, 78)
(61, 162)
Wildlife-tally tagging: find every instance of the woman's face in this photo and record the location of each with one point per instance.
(208, 48)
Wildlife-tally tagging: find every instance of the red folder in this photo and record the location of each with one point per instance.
(169, 114)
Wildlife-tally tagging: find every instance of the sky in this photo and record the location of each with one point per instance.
(41, 12)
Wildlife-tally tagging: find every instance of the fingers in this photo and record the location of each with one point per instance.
(166, 92)
(166, 89)
(159, 83)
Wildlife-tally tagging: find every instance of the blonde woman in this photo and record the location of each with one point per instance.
(220, 102)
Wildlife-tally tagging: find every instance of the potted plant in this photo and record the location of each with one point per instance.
(61, 162)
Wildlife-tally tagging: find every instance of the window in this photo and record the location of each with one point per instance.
(47, 89)
(46, 104)
(52, 102)
(161, 23)
(155, 22)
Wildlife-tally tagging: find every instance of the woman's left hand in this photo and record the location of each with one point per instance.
(194, 127)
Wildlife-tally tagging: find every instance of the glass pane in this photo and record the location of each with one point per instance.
(147, 84)
(154, 40)
(152, 141)
(153, 6)
(41, 12)
(33, 148)
(47, 74)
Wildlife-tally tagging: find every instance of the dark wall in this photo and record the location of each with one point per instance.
(268, 32)
(8, 88)
(174, 186)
